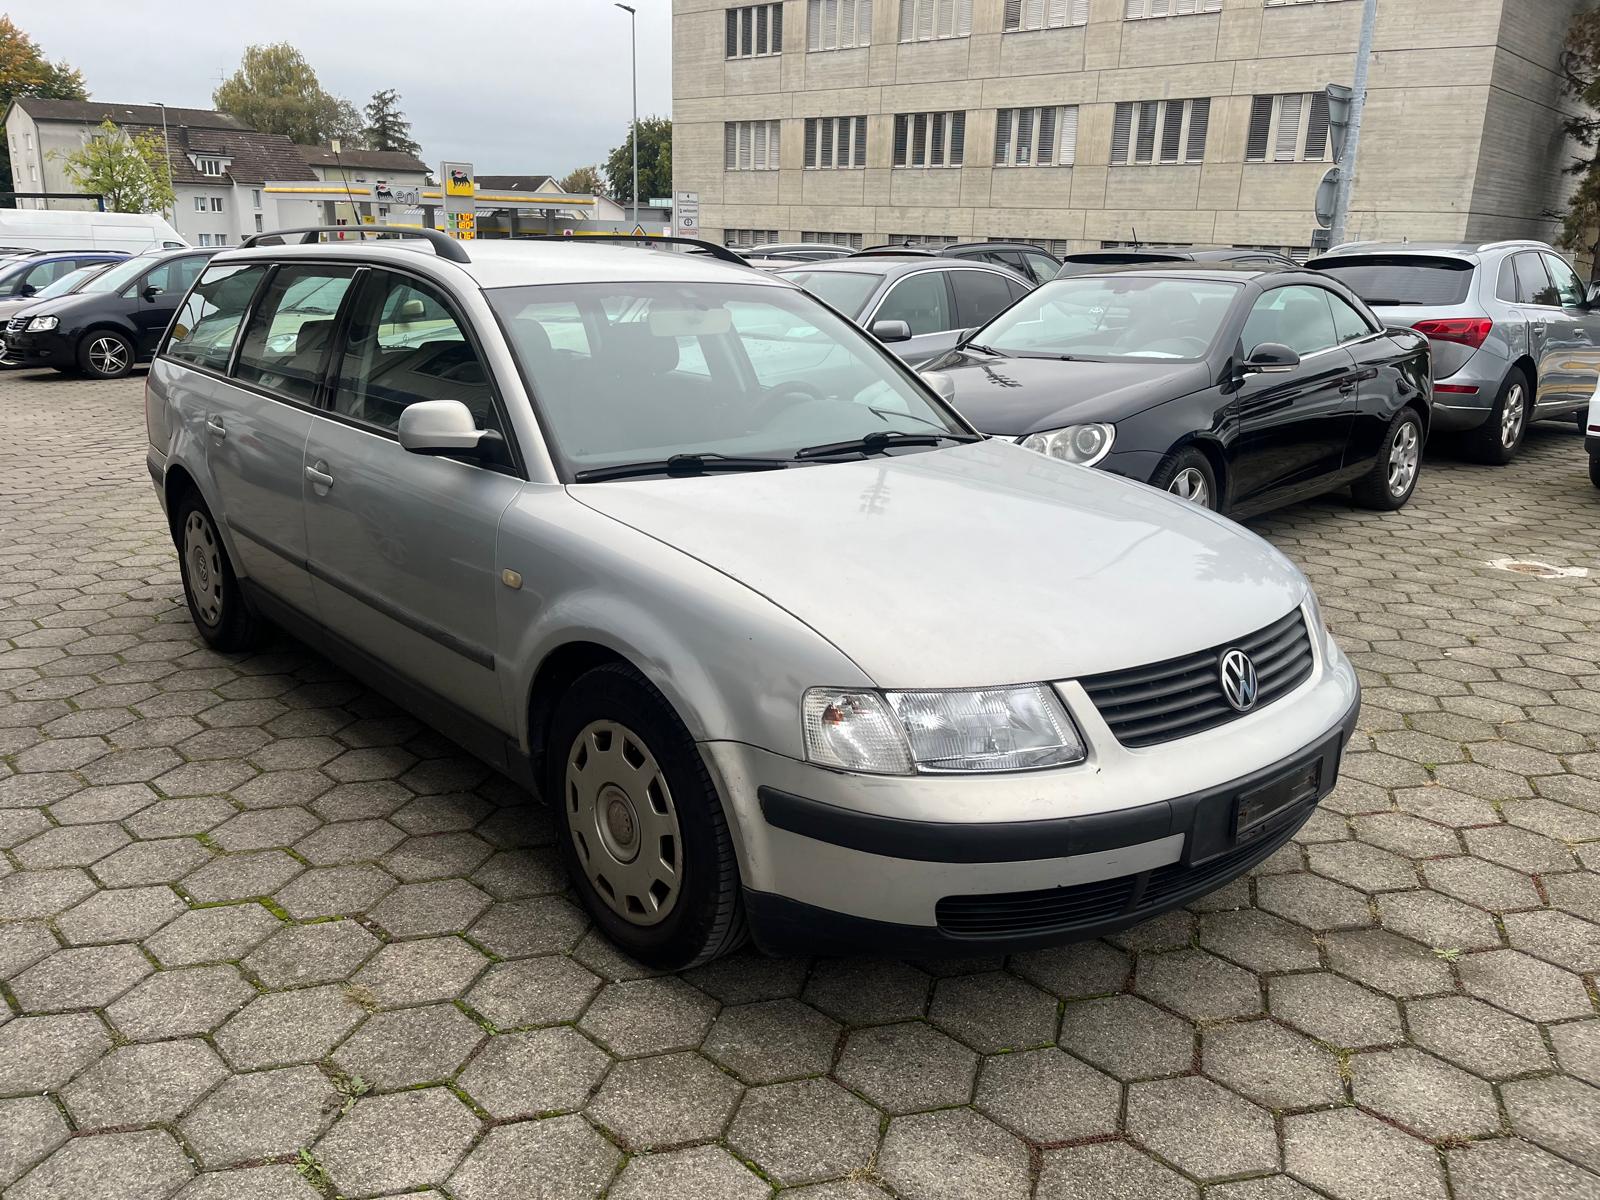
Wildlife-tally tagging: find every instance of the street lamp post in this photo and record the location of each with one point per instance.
(633, 22)
(166, 157)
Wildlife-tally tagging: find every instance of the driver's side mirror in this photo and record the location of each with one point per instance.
(27, 289)
(891, 331)
(151, 292)
(1591, 298)
(445, 427)
(1271, 358)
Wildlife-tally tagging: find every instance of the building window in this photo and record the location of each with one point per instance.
(929, 139)
(835, 142)
(755, 30)
(929, 20)
(1286, 3)
(203, 239)
(1056, 246)
(745, 238)
(750, 146)
(219, 239)
(1164, 131)
(211, 166)
(837, 24)
(1138, 10)
(1044, 14)
(852, 241)
(199, 204)
(1289, 128)
(1036, 137)
(216, 204)
(937, 240)
(33, 173)
(258, 222)
(255, 197)
(28, 138)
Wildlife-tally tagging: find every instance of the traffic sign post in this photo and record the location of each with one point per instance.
(686, 213)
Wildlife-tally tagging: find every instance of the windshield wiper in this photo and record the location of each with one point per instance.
(680, 464)
(989, 350)
(880, 440)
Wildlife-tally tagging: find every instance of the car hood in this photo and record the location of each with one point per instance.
(1014, 396)
(974, 565)
(14, 305)
(59, 305)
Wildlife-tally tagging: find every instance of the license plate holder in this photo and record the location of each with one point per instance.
(1265, 801)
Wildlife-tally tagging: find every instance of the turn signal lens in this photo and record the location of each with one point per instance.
(854, 731)
(1468, 331)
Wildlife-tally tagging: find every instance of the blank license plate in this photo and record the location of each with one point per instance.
(1260, 803)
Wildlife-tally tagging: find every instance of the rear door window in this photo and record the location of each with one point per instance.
(1533, 282)
(208, 323)
(919, 300)
(980, 296)
(286, 342)
(1391, 279)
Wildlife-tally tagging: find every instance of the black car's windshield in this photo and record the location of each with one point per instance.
(845, 290)
(69, 282)
(640, 372)
(1113, 318)
(118, 276)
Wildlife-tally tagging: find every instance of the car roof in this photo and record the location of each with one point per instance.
(1430, 249)
(1188, 268)
(891, 265)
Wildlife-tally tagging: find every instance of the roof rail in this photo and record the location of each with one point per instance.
(1529, 242)
(646, 239)
(443, 244)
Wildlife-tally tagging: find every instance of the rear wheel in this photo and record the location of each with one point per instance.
(216, 602)
(644, 836)
(1189, 475)
(1594, 469)
(1499, 438)
(1393, 477)
(105, 354)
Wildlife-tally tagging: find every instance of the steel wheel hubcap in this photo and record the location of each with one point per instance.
(107, 355)
(1190, 484)
(1511, 417)
(1404, 454)
(202, 554)
(623, 823)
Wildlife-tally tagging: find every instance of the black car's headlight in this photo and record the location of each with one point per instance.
(43, 324)
(1081, 444)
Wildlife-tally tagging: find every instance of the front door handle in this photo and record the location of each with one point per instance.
(318, 476)
(1348, 384)
(215, 427)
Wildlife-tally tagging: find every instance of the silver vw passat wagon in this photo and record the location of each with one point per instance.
(791, 650)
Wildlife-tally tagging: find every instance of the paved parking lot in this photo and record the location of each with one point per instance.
(262, 935)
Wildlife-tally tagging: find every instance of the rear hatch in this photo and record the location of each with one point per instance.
(1095, 260)
(1432, 293)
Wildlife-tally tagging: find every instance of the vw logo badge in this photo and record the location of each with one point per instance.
(1239, 685)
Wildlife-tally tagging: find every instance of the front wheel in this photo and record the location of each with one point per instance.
(1393, 476)
(643, 835)
(1594, 469)
(216, 602)
(1188, 474)
(105, 354)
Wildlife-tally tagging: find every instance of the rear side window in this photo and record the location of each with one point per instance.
(205, 328)
(286, 341)
(1533, 282)
(920, 301)
(980, 296)
(1389, 279)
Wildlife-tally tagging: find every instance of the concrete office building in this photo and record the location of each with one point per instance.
(1083, 123)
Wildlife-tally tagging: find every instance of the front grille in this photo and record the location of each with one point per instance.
(1147, 705)
(16, 324)
(1126, 899)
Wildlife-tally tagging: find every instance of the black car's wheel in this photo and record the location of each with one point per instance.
(216, 602)
(105, 354)
(1189, 474)
(1499, 438)
(1393, 477)
(644, 836)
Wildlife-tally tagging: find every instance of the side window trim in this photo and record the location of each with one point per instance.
(244, 322)
(263, 289)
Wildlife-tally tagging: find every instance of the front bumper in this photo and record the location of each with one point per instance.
(37, 350)
(935, 864)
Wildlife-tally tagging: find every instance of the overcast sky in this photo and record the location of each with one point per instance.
(512, 86)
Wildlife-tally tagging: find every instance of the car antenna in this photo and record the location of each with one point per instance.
(1136, 244)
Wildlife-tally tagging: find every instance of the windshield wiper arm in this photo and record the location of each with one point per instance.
(880, 440)
(989, 350)
(681, 464)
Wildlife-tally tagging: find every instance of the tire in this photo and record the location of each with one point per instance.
(105, 354)
(1398, 466)
(216, 602)
(623, 772)
(1594, 469)
(1189, 474)
(1498, 439)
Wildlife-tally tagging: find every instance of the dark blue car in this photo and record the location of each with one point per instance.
(28, 275)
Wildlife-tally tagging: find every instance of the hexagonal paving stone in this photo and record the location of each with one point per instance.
(349, 842)
(88, 977)
(649, 1016)
(516, 1161)
(662, 1101)
(417, 972)
(534, 1073)
(1109, 1171)
(264, 829)
(103, 804)
(335, 891)
(119, 914)
(1560, 1114)
(1424, 1094)
(1313, 902)
(1557, 937)
(1577, 1046)
(1334, 1010)
(1513, 981)
(70, 846)
(143, 1084)
(1258, 941)
(165, 860)
(260, 1115)
(994, 1011)
(179, 818)
(803, 1131)
(1204, 1129)
(277, 1182)
(1077, 971)
(207, 935)
(442, 906)
(40, 1054)
(772, 1040)
(699, 1171)
(1272, 1065)
(1048, 1096)
(390, 1143)
(1506, 1169)
(28, 895)
(533, 991)
(298, 955)
(409, 1046)
(1437, 920)
(241, 876)
(183, 1003)
(523, 928)
(1128, 1037)
(1198, 985)
(30, 1128)
(955, 1153)
(1388, 963)
(1484, 884)
(288, 1027)
(1353, 1156)
(1483, 1040)
(868, 992)
(437, 856)
(907, 1067)
(112, 1166)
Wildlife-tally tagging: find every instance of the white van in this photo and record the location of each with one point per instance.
(40, 229)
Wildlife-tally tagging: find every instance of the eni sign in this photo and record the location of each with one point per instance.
(460, 204)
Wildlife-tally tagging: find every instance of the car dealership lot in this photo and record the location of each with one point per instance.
(248, 909)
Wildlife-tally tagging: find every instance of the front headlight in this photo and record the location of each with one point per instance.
(1081, 444)
(987, 729)
(43, 324)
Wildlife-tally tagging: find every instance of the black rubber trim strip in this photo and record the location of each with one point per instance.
(480, 655)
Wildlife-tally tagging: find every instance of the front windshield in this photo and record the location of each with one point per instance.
(845, 290)
(69, 282)
(119, 276)
(1113, 318)
(639, 372)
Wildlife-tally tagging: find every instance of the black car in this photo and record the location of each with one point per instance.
(112, 322)
(1238, 388)
(1024, 258)
(1085, 261)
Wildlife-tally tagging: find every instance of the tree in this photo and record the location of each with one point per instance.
(24, 71)
(655, 162)
(387, 127)
(276, 91)
(587, 179)
(128, 171)
(1580, 65)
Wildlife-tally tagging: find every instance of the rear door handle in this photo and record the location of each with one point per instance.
(318, 476)
(215, 426)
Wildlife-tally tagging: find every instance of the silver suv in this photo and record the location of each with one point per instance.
(790, 649)
(1516, 337)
